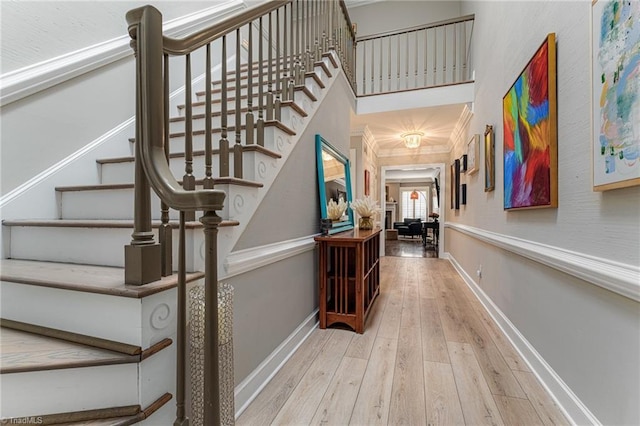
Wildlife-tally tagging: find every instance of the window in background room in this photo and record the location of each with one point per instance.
(414, 208)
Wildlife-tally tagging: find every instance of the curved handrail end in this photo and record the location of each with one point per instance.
(134, 17)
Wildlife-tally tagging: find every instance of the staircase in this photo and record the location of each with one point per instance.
(78, 345)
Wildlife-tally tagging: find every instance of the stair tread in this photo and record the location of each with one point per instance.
(245, 148)
(87, 278)
(245, 84)
(231, 129)
(217, 113)
(22, 352)
(110, 186)
(113, 421)
(111, 416)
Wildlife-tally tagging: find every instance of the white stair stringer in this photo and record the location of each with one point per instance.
(241, 206)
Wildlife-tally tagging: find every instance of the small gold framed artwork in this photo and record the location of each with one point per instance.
(473, 154)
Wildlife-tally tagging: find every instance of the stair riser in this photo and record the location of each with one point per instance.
(176, 143)
(154, 378)
(310, 82)
(118, 203)
(305, 102)
(90, 246)
(121, 173)
(231, 91)
(321, 73)
(39, 392)
(231, 105)
(313, 86)
(121, 319)
(198, 124)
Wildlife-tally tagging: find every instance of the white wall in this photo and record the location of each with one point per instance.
(395, 15)
(34, 31)
(589, 336)
(41, 130)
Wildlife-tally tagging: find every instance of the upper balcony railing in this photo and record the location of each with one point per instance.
(420, 57)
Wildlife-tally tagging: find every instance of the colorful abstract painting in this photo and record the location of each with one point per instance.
(530, 134)
(616, 94)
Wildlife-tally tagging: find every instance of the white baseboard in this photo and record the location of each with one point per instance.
(250, 387)
(569, 403)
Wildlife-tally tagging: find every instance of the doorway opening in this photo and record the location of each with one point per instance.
(413, 210)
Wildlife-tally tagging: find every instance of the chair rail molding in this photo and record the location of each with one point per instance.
(246, 260)
(26, 81)
(617, 277)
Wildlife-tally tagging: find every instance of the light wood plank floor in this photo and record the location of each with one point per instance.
(430, 355)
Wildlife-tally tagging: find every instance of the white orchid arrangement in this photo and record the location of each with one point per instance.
(365, 207)
(336, 210)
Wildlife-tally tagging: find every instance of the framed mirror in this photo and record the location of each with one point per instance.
(334, 183)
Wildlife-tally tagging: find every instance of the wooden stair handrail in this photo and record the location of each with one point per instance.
(148, 44)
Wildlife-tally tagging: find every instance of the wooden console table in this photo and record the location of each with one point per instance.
(349, 277)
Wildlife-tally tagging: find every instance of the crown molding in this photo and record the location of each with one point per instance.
(423, 150)
(367, 137)
(460, 128)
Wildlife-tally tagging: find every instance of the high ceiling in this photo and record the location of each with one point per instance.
(437, 124)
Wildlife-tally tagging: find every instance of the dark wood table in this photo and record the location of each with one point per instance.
(434, 225)
(349, 277)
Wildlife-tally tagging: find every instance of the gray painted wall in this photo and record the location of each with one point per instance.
(588, 335)
(271, 302)
(291, 209)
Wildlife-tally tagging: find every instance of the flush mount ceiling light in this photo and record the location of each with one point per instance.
(412, 139)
